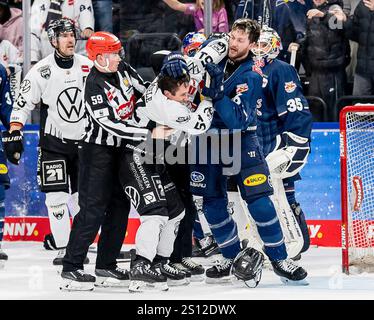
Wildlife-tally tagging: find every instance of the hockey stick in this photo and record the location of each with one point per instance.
(293, 55)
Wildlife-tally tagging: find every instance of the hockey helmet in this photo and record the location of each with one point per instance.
(56, 27)
(247, 266)
(103, 42)
(268, 45)
(191, 42)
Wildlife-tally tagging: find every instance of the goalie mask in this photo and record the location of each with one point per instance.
(247, 266)
(191, 43)
(268, 45)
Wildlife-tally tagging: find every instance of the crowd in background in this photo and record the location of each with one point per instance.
(328, 34)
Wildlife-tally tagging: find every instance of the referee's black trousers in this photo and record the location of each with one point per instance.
(102, 204)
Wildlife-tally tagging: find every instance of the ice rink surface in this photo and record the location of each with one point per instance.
(29, 274)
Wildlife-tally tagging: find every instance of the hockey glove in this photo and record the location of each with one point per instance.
(289, 156)
(214, 82)
(174, 66)
(13, 145)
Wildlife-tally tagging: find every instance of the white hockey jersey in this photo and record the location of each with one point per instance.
(156, 107)
(60, 92)
(81, 11)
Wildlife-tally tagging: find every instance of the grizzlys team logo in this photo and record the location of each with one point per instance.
(69, 105)
(45, 72)
(58, 214)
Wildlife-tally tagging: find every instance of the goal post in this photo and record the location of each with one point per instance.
(357, 187)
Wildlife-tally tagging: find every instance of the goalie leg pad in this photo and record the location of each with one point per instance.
(289, 187)
(2, 211)
(269, 228)
(222, 225)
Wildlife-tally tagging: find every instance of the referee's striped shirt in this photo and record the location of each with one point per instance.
(109, 100)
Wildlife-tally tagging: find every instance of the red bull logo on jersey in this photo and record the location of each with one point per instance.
(240, 88)
(290, 86)
(255, 180)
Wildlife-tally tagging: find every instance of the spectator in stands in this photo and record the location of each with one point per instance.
(9, 55)
(326, 53)
(11, 25)
(219, 17)
(103, 15)
(360, 28)
(287, 18)
(45, 11)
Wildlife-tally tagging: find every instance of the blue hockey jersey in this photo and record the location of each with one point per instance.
(284, 107)
(242, 93)
(5, 98)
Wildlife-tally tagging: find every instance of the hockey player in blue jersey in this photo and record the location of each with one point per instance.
(235, 109)
(5, 111)
(284, 120)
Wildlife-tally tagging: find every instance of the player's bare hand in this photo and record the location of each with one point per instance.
(162, 132)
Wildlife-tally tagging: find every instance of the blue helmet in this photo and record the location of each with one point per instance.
(191, 42)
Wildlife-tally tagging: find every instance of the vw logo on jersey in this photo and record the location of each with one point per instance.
(197, 176)
(133, 194)
(25, 86)
(69, 105)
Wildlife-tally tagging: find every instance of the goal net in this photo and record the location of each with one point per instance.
(357, 187)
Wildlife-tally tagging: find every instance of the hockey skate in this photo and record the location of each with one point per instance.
(205, 248)
(289, 272)
(220, 272)
(174, 276)
(117, 278)
(3, 258)
(77, 281)
(60, 255)
(196, 270)
(144, 278)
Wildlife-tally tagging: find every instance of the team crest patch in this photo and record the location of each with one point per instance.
(240, 88)
(290, 86)
(45, 72)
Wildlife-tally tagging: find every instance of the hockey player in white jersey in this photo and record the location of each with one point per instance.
(166, 102)
(44, 11)
(56, 82)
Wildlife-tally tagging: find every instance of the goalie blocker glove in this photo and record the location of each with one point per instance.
(13, 145)
(289, 155)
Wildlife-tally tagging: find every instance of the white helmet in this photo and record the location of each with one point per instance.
(268, 45)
